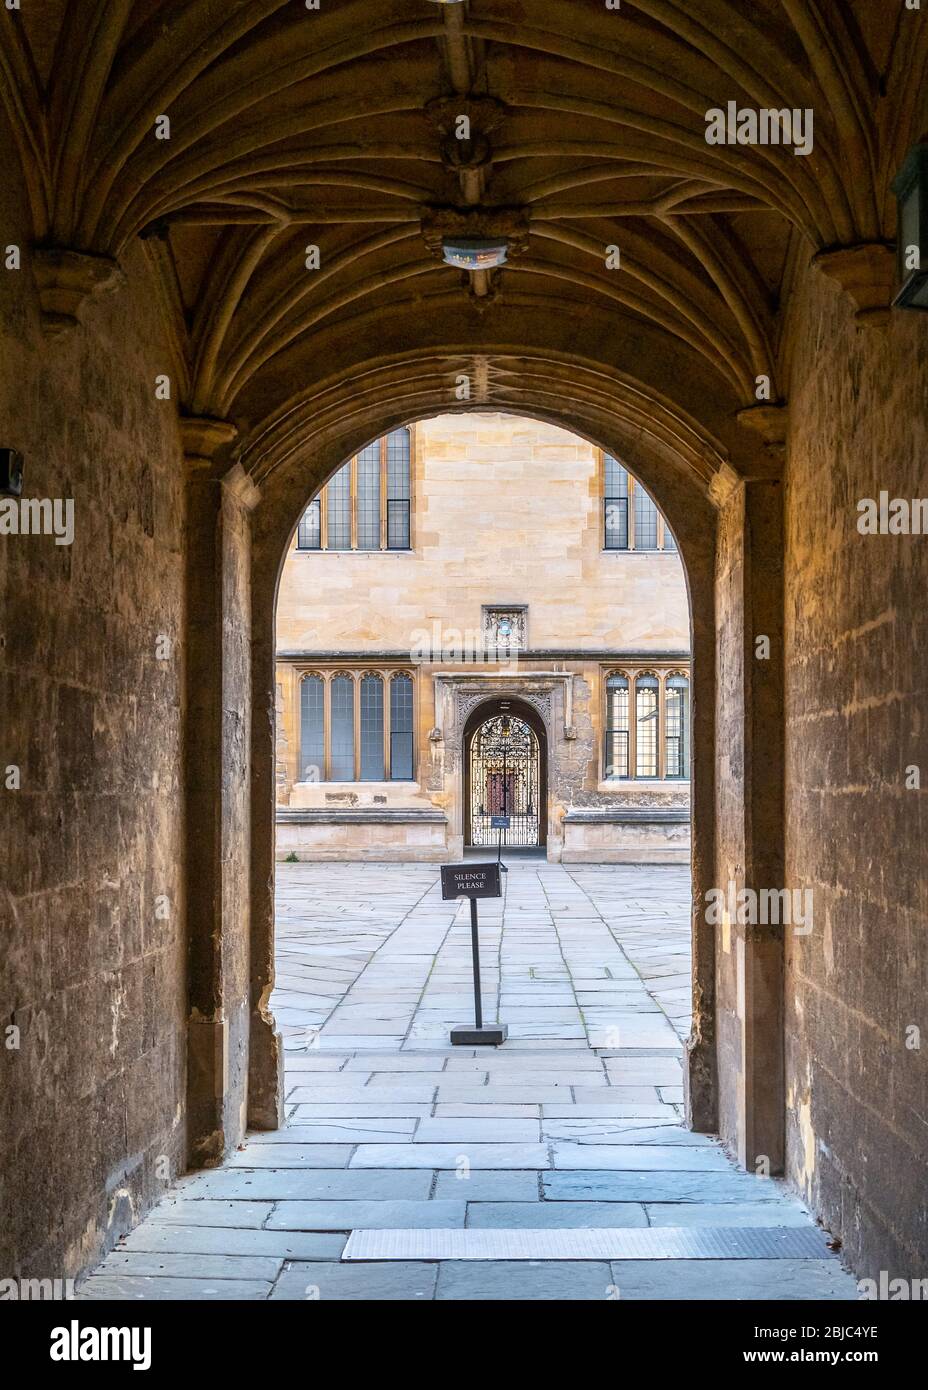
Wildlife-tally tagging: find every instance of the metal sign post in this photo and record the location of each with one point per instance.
(474, 881)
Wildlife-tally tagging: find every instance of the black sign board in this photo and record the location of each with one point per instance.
(470, 881)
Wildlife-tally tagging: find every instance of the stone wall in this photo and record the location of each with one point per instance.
(92, 1117)
(505, 511)
(857, 696)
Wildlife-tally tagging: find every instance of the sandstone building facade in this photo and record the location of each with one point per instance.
(507, 636)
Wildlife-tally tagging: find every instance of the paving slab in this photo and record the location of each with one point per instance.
(136, 1288)
(494, 1129)
(403, 1281)
(732, 1280)
(544, 1215)
(488, 1186)
(450, 1155)
(612, 1186)
(514, 1280)
(782, 1213)
(232, 1215)
(365, 1215)
(164, 1264)
(358, 1110)
(612, 1131)
(281, 1154)
(639, 1157)
(168, 1238)
(332, 1131)
(294, 1185)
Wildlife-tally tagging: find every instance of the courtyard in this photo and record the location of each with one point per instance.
(556, 1167)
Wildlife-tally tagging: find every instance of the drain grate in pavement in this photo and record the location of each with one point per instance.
(652, 1243)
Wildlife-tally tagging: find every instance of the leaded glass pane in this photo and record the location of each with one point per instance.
(372, 769)
(342, 714)
(401, 728)
(309, 534)
(338, 497)
(615, 505)
(312, 729)
(676, 720)
(398, 453)
(616, 749)
(646, 726)
(369, 497)
(645, 521)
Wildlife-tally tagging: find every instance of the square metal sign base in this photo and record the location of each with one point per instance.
(469, 1035)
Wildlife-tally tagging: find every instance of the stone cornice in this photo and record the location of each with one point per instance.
(479, 669)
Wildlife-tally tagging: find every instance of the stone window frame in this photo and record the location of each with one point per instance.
(663, 530)
(327, 674)
(631, 671)
(322, 498)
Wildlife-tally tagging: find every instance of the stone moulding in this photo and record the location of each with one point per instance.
(868, 274)
(628, 815)
(373, 815)
(66, 279)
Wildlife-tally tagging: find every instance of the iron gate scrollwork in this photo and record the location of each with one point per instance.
(505, 780)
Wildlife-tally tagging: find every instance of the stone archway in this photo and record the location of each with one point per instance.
(517, 789)
(716, 527)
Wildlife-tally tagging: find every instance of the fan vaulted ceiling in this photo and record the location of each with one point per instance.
(335, 127)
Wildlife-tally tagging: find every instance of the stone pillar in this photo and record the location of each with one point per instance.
(217, 765)
(266, 1059)
(750, 799)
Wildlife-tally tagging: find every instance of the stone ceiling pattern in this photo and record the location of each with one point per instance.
(336, 127)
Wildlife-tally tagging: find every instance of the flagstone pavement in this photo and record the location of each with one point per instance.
(574, 1124)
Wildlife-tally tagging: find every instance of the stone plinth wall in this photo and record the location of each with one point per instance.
(615, 839)
(91, 890)
(363, 833)
(856, 835)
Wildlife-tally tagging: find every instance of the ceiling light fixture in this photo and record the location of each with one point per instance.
(474, 253)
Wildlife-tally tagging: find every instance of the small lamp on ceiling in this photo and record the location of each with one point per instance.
(474, 253)
(911, 189)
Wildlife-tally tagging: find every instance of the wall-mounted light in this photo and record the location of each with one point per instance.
(911, 189)
(472, 253)
(11, 473)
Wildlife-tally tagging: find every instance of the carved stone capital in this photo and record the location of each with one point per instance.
(868, 274)
(205, 438)
(65, 279)
(768, 420)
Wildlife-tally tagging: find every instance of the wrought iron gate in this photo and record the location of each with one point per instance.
(505, 780)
